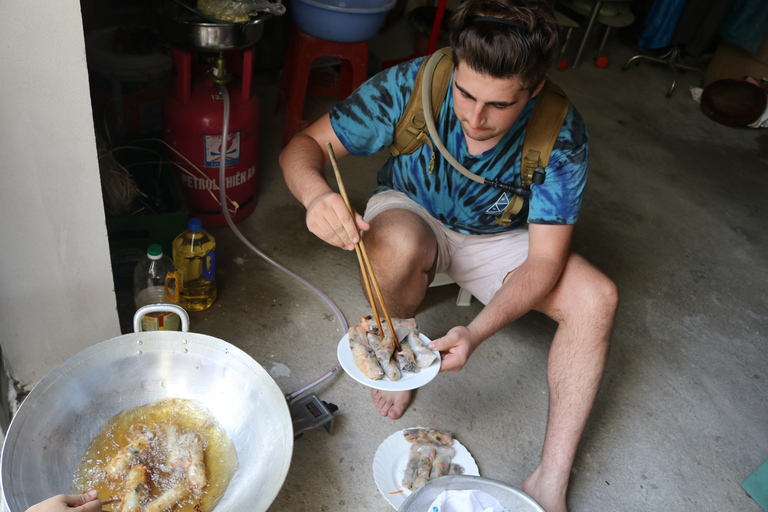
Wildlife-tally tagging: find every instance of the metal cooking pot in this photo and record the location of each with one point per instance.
(71, 405)
(511, 498)
(186, 30)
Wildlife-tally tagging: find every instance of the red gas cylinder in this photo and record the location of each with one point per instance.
(193, 114)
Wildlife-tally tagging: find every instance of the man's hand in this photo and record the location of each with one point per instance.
(87, 502)
(328, 218)
(455, 348)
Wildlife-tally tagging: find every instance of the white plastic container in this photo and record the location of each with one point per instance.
(155, 281)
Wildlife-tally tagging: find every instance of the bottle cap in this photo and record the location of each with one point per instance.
(194, 224)
(155, 251)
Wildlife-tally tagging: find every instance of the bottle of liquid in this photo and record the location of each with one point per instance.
(194, 254)
(156, 281)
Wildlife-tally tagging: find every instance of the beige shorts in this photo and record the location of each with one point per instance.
(478, 263)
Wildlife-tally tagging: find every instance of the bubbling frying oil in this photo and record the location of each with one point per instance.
(189, 416)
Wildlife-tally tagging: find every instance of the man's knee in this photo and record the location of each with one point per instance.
(583, 294)
(401, 238)
(605, 296)
(596, 291)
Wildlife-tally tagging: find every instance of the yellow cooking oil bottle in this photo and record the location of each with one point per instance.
(194, 254)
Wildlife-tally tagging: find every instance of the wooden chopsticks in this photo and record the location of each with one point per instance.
(362, 257)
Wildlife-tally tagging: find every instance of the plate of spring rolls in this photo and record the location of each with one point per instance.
(374, 360)
(409, 458)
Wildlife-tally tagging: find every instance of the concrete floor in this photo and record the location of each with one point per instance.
(674, 213)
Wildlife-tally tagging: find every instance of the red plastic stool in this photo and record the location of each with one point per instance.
(295, 84)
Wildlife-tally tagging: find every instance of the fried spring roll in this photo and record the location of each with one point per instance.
(423, 355)
(390, 367)
(412, 434)
(428, 435)
(407, 330)
(363, 354)
(358, 334)
(406, 360)
(411, 466)
(442, 463)
(366, 362)
(127, 457)
(406, 323)
(368, 323)
(384, 347)
(426, 457)
(172, 447)
(169, 498)
(134, 486)
(196, 477)
(391, 370)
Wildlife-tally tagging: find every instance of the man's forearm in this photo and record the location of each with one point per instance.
(303, 164)
(523, 289)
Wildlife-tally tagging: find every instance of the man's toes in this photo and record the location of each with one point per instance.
(381, 402)
(399, 404)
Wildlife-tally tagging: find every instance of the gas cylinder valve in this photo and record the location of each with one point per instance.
(218, 74)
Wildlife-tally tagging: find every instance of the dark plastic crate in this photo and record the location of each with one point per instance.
(129, 236)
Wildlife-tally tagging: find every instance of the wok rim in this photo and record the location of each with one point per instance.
(140, 343)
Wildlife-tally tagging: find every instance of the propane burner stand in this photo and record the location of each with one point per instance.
(310, 412)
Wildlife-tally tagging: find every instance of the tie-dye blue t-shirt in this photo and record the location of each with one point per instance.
(365, 124)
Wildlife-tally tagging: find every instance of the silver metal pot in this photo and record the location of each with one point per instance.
(511, 498)
(186, 30)
(71, 405)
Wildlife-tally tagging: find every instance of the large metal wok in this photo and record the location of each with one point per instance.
(71, 404)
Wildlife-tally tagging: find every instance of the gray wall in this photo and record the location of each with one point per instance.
(56, 291)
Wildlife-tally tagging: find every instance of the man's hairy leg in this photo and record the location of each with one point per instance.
(584, 304)
(403, 252)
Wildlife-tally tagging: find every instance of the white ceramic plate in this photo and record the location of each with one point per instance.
(409, 380)
(392, 457)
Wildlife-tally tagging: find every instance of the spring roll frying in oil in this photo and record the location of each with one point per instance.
(134, 487)
(196, 478)
(125, 458)
(169, 498)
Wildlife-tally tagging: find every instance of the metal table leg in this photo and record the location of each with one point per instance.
(592, 17)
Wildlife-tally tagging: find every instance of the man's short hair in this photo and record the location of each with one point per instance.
(506, 38)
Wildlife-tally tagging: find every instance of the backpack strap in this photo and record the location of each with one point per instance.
(411, 130)
(541, 133)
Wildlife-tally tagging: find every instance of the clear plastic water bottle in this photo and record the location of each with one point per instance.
(156, 281)
(194, 254)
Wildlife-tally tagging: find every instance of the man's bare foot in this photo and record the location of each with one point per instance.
(390, 403)
(552, 500)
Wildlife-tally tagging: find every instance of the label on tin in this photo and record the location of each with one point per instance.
(161, 322)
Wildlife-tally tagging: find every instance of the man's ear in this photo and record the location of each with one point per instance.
(538, 88)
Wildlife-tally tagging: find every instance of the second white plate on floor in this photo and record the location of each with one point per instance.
(392, 457)
(408, 382)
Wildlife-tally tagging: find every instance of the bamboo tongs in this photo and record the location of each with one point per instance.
(362, 257)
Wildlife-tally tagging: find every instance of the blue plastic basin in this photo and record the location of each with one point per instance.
(344, 21)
